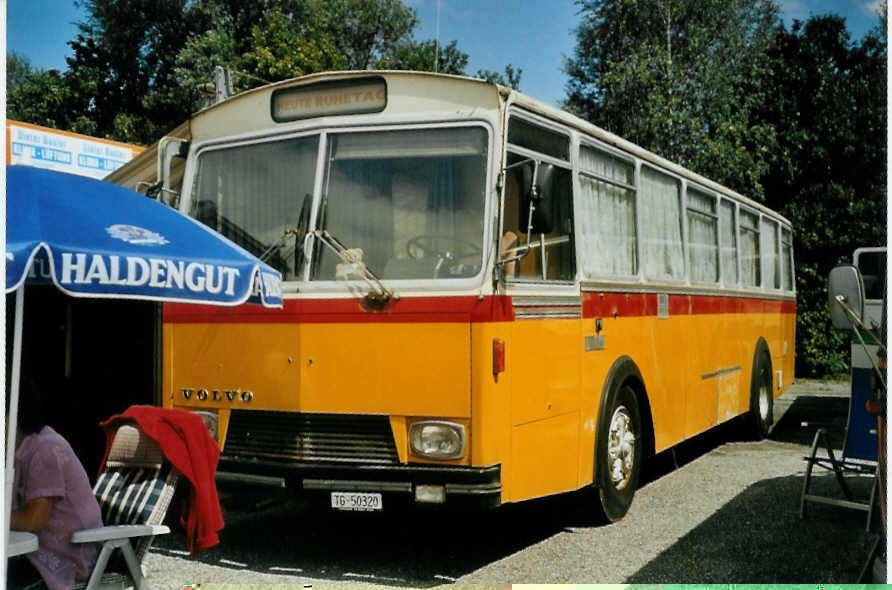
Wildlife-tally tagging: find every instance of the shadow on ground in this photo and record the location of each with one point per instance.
(277, 534)
(830, 546)
(808, 413)
(418, 549)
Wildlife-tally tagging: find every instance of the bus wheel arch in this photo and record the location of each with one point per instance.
(624, 437)
(761, 414)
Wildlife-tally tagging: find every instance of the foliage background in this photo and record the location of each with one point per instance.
(793, 117)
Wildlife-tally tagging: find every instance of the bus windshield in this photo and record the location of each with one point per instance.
(411, 201)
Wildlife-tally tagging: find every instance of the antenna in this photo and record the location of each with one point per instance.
(437, 42)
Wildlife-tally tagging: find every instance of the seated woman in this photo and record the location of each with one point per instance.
(51, 498)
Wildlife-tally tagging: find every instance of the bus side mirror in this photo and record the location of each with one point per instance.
(538, 182)
(170, 173)
(845, 295)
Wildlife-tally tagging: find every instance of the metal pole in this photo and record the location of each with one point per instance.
(4, 516)
(13, 414)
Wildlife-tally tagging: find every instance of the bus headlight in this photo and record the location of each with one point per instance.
(210, 421)
(437, 439)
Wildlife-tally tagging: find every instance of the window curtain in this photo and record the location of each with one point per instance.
(607, 217)
(703, 238)
(770, 254)
(442, 198)
(608, 236)
(277, 174)
(729, 243)
(750, 268)
(662, 250)
(358, 212)
(786, 260)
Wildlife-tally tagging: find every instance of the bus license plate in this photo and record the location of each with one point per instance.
(356, 501)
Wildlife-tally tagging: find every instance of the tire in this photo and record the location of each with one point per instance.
(618, 451)
(761, 396)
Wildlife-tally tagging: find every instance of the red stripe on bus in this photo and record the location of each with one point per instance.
(646, 304)
(497, 308)
(323, 311)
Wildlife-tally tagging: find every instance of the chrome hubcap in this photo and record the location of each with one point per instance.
(764, 396)
(621, 447)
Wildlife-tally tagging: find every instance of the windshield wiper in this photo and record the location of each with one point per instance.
(379, 295)
(298, 232)
(289, 231)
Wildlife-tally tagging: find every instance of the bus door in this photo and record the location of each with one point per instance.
(546, 344)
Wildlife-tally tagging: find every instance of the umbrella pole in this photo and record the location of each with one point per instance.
(13, 401)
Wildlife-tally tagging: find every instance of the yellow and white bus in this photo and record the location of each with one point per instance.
(487, 299)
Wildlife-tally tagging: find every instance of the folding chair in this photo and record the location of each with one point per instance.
(134, 491)
(858, 456)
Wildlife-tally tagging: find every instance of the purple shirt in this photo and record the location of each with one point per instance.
(46, 467)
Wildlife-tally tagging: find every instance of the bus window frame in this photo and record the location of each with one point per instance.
(411, 285)
(323, 128)
(715, 215)
(742, 208)
(788, 229)
(593, 144)
(685, 278)
(735, 225)
(856, 255)
(190, 174)
(569, 165)
(778, 268)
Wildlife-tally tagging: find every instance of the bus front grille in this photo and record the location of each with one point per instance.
(341, 438)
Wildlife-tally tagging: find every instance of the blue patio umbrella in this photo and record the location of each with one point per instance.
(97, 239)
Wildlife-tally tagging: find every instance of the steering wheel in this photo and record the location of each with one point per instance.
(423, 245)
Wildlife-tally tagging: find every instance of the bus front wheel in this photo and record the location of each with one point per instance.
(761, 398)
(619, 445)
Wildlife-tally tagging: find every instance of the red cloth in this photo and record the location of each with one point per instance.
(187, 444)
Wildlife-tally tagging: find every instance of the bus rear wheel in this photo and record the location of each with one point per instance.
(761, 398)
(618, 451)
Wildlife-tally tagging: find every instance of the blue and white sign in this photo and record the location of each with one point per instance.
(65, 152)
(97, 239)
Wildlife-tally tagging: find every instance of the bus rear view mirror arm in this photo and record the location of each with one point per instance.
(535, 202)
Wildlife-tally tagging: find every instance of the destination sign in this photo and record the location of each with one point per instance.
(339, 97)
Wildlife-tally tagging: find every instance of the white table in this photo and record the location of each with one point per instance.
(21, 542)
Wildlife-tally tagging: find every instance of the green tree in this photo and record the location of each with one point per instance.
(39, 97)
(681, 78)
(258, 42)
(511, 78)
(282, 48)
(18, 68)
(829, 177)
(278, 39)
(420, 56)
(122, 74)
(364, 31)
(139, 65)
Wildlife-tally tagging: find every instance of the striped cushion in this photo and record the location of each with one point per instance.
(130, 495)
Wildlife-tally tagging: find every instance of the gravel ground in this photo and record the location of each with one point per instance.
(728, 512)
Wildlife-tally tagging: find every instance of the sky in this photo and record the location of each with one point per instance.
(533, 35)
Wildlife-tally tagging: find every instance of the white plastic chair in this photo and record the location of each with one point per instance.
(134, 491)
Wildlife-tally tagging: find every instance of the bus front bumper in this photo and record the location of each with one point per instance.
(400, 485)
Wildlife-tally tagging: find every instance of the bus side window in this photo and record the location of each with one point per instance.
(515, 232)
(873, 272)
(559, 260)
(560, 263)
